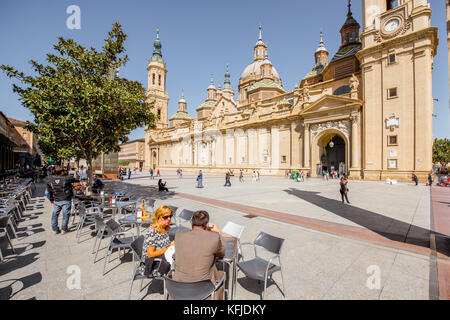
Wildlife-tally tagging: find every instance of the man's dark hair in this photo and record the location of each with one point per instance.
(59, 171)
(200, 218)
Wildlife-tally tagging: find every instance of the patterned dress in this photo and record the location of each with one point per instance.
(153, 238)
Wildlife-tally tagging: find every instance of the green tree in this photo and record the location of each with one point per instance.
(441, 151)
(80, 108)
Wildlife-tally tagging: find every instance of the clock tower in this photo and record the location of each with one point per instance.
(398, 46)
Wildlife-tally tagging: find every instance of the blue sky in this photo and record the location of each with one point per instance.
(198, 38)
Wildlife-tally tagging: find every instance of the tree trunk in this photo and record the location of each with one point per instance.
(89, 170)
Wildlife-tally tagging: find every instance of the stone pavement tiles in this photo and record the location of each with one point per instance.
(316, 264)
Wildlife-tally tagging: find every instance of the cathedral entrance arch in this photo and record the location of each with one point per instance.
(330, 152)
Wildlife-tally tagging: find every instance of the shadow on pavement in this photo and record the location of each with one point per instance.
(387, 227)
(6, 293)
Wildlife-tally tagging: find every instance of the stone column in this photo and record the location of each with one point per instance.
(355, 172)
(275, 146)
(306, 152)
(354, 141)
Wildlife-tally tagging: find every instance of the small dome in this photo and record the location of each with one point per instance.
(253, 69)
(260, 43)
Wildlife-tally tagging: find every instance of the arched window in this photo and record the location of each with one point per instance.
(347, 37)
(153, 78)
(159, 80)
(342, 90)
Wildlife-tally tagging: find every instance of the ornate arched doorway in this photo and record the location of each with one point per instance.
(330, 152)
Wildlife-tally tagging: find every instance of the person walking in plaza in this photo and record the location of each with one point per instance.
(151, 174)
(227, 180)
(416, 180)
(257, 176)
(196, 252)
(254, 176)
(430, 180)
(157, 173)
(200, 179)
(344, 190)
(181, 173)
(129, 173)
(241, 176)
(60, 188)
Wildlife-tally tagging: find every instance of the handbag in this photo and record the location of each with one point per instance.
(156, 267)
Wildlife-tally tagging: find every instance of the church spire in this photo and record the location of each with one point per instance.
(260, 47)
(227, 81)
(157, 54)
(350, 30)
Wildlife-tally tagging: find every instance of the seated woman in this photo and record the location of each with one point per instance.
(162, 186)
(156, 242)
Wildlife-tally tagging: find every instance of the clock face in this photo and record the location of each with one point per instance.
(391, 25)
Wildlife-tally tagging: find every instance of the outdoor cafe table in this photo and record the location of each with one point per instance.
(132, 220)
(119, 205)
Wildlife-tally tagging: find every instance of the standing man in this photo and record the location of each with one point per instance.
(129, 173)
(200, 179)
(227, 180)
(60, 188)
(416, 180)
(430, 179)
(151, 173)
(241, 176)
(197, 250)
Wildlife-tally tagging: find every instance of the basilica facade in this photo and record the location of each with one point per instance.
(365, 111)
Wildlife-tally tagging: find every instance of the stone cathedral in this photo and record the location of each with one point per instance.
(365, 111)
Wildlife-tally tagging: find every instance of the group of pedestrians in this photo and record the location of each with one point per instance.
(152, 172)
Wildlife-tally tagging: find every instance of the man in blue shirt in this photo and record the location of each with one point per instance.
(200, 179)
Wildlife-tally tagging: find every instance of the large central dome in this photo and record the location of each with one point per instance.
(254, 69)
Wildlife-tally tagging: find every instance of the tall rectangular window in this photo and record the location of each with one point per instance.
(391, 58)
(159, 80)
(153, 78)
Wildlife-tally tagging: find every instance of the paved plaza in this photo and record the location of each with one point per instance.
(377, 247)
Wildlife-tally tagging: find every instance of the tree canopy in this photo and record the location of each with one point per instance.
(80, 107)
(441, 151)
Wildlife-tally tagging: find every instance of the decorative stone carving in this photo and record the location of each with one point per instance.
(343, 126)
(306, 96)
(354, 85)
(392, 122)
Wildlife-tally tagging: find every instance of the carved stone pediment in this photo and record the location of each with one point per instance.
(328, 103)
(342, 125)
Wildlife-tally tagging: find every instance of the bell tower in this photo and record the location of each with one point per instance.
(157, 84)
(398, 46)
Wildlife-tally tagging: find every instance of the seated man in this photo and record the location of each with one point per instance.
(98, 185)
(196, 251)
